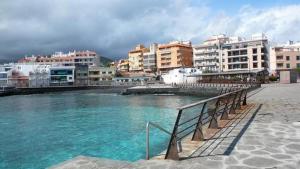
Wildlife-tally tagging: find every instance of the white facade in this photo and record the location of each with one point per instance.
(40, 76)
(62, 75)
(3, 79)
(149, 59)
(181, 76)
(206, 56)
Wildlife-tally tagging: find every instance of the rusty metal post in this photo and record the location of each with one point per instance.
(172, 151)
(232, 107)
(245, 98)
(198, 134)
(214, 122)
(224, 115)
(238, 104)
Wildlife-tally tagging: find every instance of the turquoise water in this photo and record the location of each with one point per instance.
(38, 131)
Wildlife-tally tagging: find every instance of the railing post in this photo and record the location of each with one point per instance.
(147, 141)
(232, 107)
(172, 151)
(214, 122)
(245, 98)
(224, 115)
(198, 134)
(238, 105)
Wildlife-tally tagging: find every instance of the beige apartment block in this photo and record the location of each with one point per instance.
(207, 54)
(245, 55)
(135, 58)
(74, 58)
(285, 57)
(174, 55)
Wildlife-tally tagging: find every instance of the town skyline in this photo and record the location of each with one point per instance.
(112, 29)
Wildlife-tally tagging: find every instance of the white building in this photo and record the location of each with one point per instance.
(62, 75)
(3, 79)
(4, 69)
(181, 76)
(39, 77)
(206, 56)
(149, 61)
(74, 58)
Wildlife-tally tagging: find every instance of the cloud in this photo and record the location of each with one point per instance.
(113, 27)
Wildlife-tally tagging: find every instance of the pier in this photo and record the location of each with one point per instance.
(266, 136)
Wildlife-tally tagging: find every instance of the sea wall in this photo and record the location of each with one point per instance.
(102, 89)
(199, 91)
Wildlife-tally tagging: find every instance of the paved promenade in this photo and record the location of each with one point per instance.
(266, 137)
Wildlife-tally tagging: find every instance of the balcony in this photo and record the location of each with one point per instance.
(206, 64)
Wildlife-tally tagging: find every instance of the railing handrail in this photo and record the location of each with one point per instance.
(149, 123)
(206, 100)
(225, 104)
(148, 137)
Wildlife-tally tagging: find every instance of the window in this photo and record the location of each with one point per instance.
(298, 57)
(254, 51)
(3, 75)
(279, 65)
(288, 65)
(254, 58)
(279, 57)
(298, 65)
(254, 65)
(243, 52)
(287, 57)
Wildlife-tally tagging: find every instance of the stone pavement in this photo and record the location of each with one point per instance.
(266, 138)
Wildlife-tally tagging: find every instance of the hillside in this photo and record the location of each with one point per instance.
(105, 61)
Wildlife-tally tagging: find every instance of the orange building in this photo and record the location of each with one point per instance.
(174, 55)
(135, 58)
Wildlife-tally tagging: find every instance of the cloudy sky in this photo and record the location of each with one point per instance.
(112, 27)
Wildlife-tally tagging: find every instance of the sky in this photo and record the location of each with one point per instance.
(113, 27)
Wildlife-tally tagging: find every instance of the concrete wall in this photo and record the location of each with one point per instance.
(288, 76)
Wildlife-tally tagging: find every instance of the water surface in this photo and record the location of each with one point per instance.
(38, 131)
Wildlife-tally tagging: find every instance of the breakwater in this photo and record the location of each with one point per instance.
(199, 91)
(204, 89)
(26, 91)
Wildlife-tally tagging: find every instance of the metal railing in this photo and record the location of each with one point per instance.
(194, 119)
(148, 137)
(200, 85)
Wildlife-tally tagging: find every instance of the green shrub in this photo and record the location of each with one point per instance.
(272, 78)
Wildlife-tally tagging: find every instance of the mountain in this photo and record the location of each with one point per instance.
(104, 61)
(2, 61)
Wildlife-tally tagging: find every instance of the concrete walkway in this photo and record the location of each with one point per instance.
(267, 137)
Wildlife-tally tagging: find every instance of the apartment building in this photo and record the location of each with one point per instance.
(74, 58)
(206, 56)
(101, 75)
(62, 75)
(240, 54)
(135, 58)
(283, 57)
(3, 79)
(149, 59)
(174, 55)
(4, 69)
(81, 75)
(123, 65)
